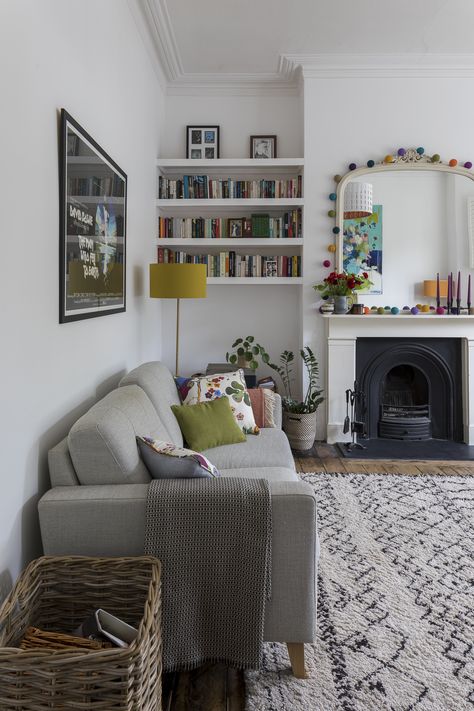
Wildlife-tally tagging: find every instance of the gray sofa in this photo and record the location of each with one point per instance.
(96, 505)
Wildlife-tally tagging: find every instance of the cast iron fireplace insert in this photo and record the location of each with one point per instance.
(413, 388)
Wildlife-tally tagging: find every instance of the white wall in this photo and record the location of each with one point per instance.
(357, 119)
(87, 57)
(270, 313)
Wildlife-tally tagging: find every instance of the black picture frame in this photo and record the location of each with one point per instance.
(92, 227)
(268, 144)
(197, 142)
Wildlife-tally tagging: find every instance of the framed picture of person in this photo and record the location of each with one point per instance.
(202, 142)
(92, 234)
(271, 268)
(235, 227)
(263, 147)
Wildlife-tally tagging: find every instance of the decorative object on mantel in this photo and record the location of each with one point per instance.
(341, 287)
(402, 157)
(299, 417)
(263, 147)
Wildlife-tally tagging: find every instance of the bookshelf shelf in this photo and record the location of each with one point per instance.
(171, 166)
(268, 281)
(197, 203)
(218, 243)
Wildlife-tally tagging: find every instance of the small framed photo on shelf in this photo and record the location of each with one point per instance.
(263, 147)
(271, 269)
(202, 142)
(246, 227)
(235, 227)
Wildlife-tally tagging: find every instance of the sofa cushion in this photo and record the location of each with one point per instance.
(102, 443)
(269, 449)
(207, 425)
(165, 460)
(158, 383)
(270, 473)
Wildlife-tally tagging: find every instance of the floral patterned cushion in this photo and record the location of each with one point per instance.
(165, 460)
(230, 385)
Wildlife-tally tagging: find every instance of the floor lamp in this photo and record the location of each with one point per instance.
(178, 281)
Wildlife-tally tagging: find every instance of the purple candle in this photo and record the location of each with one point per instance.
(458, 294)
(437, 290)
(469, 291)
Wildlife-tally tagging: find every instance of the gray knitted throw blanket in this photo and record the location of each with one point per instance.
(213, 537)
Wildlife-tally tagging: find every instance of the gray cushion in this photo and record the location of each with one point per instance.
(102, 443)
(270, 473)
(166, 466)
(158, 383)
(270, 448)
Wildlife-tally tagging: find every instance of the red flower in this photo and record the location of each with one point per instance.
(365, 275)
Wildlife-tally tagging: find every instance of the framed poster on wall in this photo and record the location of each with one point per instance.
(93, 212)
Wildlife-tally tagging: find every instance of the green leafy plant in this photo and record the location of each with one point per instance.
(248, 352)
(313, 397)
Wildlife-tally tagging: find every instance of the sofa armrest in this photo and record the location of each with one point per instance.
(109, 520)
(277, 413)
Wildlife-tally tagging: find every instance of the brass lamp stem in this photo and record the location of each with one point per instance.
(177, 336)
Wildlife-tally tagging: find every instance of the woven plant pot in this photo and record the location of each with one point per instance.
(56, 594)
(300, 429)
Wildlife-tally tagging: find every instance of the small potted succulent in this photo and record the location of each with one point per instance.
(299, 416)
(246, 353)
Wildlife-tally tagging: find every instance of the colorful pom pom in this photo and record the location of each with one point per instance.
(415, 310)
(425, 308)
(440, 311)
(395, 310)
(336, 230)
(406, 308)
(435, 158)
(366, 310)
(374, 308)
(401, 151)
(332, 248)
(332, 196)
(370, 163)
(337, 178)
(468, 164)
(352, 166)
(388, 159)
(331, 213)
(453, 163)
(420, 150)
(381, 310)
(326, 263)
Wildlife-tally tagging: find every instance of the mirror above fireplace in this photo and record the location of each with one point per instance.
(421, 223)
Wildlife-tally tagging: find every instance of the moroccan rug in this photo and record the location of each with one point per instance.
(395, 600)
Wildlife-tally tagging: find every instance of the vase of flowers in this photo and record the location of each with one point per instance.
(341, 288)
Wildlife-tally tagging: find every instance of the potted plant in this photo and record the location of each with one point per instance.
(246, 353)
(341, 288)
(299, 416)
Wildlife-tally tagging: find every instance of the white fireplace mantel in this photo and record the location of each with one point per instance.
(342, 333)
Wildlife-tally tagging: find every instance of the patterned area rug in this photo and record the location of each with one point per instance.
(395, 600)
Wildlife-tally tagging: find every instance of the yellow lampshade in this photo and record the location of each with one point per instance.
(429, 288)
(178, 281)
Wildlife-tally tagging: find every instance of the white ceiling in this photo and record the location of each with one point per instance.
(231, 41)
(249, 35)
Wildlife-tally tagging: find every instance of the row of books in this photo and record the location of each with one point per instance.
(113, 186)
(286, 227)
(230, 264)
(204, 187)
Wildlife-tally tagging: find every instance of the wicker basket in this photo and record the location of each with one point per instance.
(58, 593)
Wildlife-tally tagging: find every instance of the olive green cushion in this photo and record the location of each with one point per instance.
(208, 424)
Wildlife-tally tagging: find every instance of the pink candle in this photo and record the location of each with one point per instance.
(469, 290)
(458, 295)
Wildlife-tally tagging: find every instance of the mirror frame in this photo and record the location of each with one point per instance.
(403, 159)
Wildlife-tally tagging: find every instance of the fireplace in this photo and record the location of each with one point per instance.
(413, 388)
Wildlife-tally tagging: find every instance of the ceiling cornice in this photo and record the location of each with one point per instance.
(406, 66)
(293, 68)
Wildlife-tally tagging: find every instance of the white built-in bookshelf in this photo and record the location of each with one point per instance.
(227, 208)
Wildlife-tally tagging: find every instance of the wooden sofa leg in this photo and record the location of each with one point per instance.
(296, 653)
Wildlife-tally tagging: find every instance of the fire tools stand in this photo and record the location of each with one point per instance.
(355, 423)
